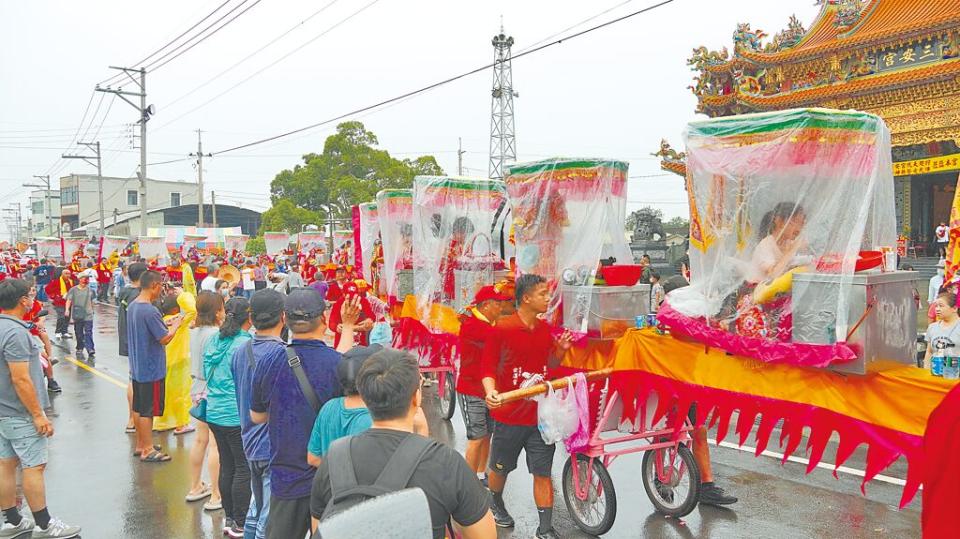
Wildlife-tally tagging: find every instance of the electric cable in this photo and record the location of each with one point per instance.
(445, 81)
(171, 42)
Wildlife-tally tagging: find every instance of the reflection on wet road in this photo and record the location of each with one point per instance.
(94, 481)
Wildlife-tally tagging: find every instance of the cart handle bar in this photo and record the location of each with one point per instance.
(527, 392)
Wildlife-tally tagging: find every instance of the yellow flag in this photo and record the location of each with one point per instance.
(952, 265)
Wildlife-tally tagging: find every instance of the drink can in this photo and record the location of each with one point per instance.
(951, 368)
(936, 366)
(641, 321)
(652, 320)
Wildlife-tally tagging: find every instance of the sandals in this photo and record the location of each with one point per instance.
(130, 430)
(156, 456)
(185, 430)
(212, 505)
(205, 490)
(155, 448)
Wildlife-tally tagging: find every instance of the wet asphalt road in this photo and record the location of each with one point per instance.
(93, 481)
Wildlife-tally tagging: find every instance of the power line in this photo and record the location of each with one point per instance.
(153, 66)
(445, 81)
(254, 53)
(268, 66)
(171, 42)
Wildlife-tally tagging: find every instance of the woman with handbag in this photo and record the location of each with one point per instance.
(210, 315)
(223, 416)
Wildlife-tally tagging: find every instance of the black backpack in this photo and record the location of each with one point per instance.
(345, 492)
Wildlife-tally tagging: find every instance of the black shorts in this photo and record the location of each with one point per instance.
(509, 440)
(148, 398)
(476, 416)
(288, 518)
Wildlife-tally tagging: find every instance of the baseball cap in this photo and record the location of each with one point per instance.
(265, 304)
(351, 362)
(488, 293)
(304, 303)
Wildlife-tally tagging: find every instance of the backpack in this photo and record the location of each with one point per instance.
(345, 492)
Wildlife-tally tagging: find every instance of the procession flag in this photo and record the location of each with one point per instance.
(953, 249)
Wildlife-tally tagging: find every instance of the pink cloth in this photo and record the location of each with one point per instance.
(770, 351)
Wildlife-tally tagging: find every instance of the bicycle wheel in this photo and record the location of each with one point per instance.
(448, 403)
(594, 514)
(679, 495)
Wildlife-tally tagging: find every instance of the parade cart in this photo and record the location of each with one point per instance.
(568, 216)
(454, 255)
(795, 318)
(395, 212)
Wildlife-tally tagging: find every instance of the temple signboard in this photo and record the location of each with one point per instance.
(924, 52)
(930, 165)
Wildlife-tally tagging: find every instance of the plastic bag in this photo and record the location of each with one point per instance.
(557, 415)
(579, 439)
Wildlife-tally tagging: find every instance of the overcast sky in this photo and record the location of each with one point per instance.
(612, 93)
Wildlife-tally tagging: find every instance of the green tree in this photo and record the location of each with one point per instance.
(677, 225)
(288, 217)
(350, 170)
(256, 246)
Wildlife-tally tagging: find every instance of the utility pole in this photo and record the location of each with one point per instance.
(213, 203)
(503, 144)
(199, 155)
(145, 113)
(46, 182)
(95, 146)
(460, 153)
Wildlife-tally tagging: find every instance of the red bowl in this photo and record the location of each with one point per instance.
(622, 275)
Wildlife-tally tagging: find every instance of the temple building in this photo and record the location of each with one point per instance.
(899, 59)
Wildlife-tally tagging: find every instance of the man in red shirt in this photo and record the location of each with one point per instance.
(57, 290)
(519, 346)
(475, 328)
(335, 291)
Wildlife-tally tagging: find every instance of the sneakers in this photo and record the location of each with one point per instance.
(79, 355)
(57, 529)
(549, 534)
(501, 517)
(23, 531)
(227, 525)
(711, 494)
(52, 387)
(92, 356)
(234, 532)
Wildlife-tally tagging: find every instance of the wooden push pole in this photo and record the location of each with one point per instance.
(560, 383)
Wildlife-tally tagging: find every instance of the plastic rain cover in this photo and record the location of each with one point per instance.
(567, 215)
(771, 195)
(343, 247)
(395, 209)
(453, 221)
(370, 243)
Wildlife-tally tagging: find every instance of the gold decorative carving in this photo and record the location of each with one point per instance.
(926, 137)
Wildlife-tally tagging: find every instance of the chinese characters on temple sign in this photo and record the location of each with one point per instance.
(910, 55)
(929, 165)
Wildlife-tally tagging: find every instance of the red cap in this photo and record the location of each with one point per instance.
(488, 293)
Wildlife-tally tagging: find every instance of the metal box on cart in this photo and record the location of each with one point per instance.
(604, 312)
(468, 282)
(888, 331)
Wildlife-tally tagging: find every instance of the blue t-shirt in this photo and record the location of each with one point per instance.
(334, 422)
(145, 328)
(221, 388)
(43, 274)
(256, 440)
(276, 391)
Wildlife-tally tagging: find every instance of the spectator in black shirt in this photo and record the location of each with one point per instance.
(389, 382)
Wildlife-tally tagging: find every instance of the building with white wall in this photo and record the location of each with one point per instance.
(80, 197)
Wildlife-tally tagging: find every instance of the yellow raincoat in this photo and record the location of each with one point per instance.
(177, 394)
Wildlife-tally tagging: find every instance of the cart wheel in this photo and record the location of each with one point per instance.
(448, 403)
(678, 496)
(596, 513)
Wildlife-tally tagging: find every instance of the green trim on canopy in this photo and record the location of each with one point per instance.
(467, 184)
(766, 122)
(395, 193)
(558, 163)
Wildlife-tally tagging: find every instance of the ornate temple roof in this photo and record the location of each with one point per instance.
(873, 23)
